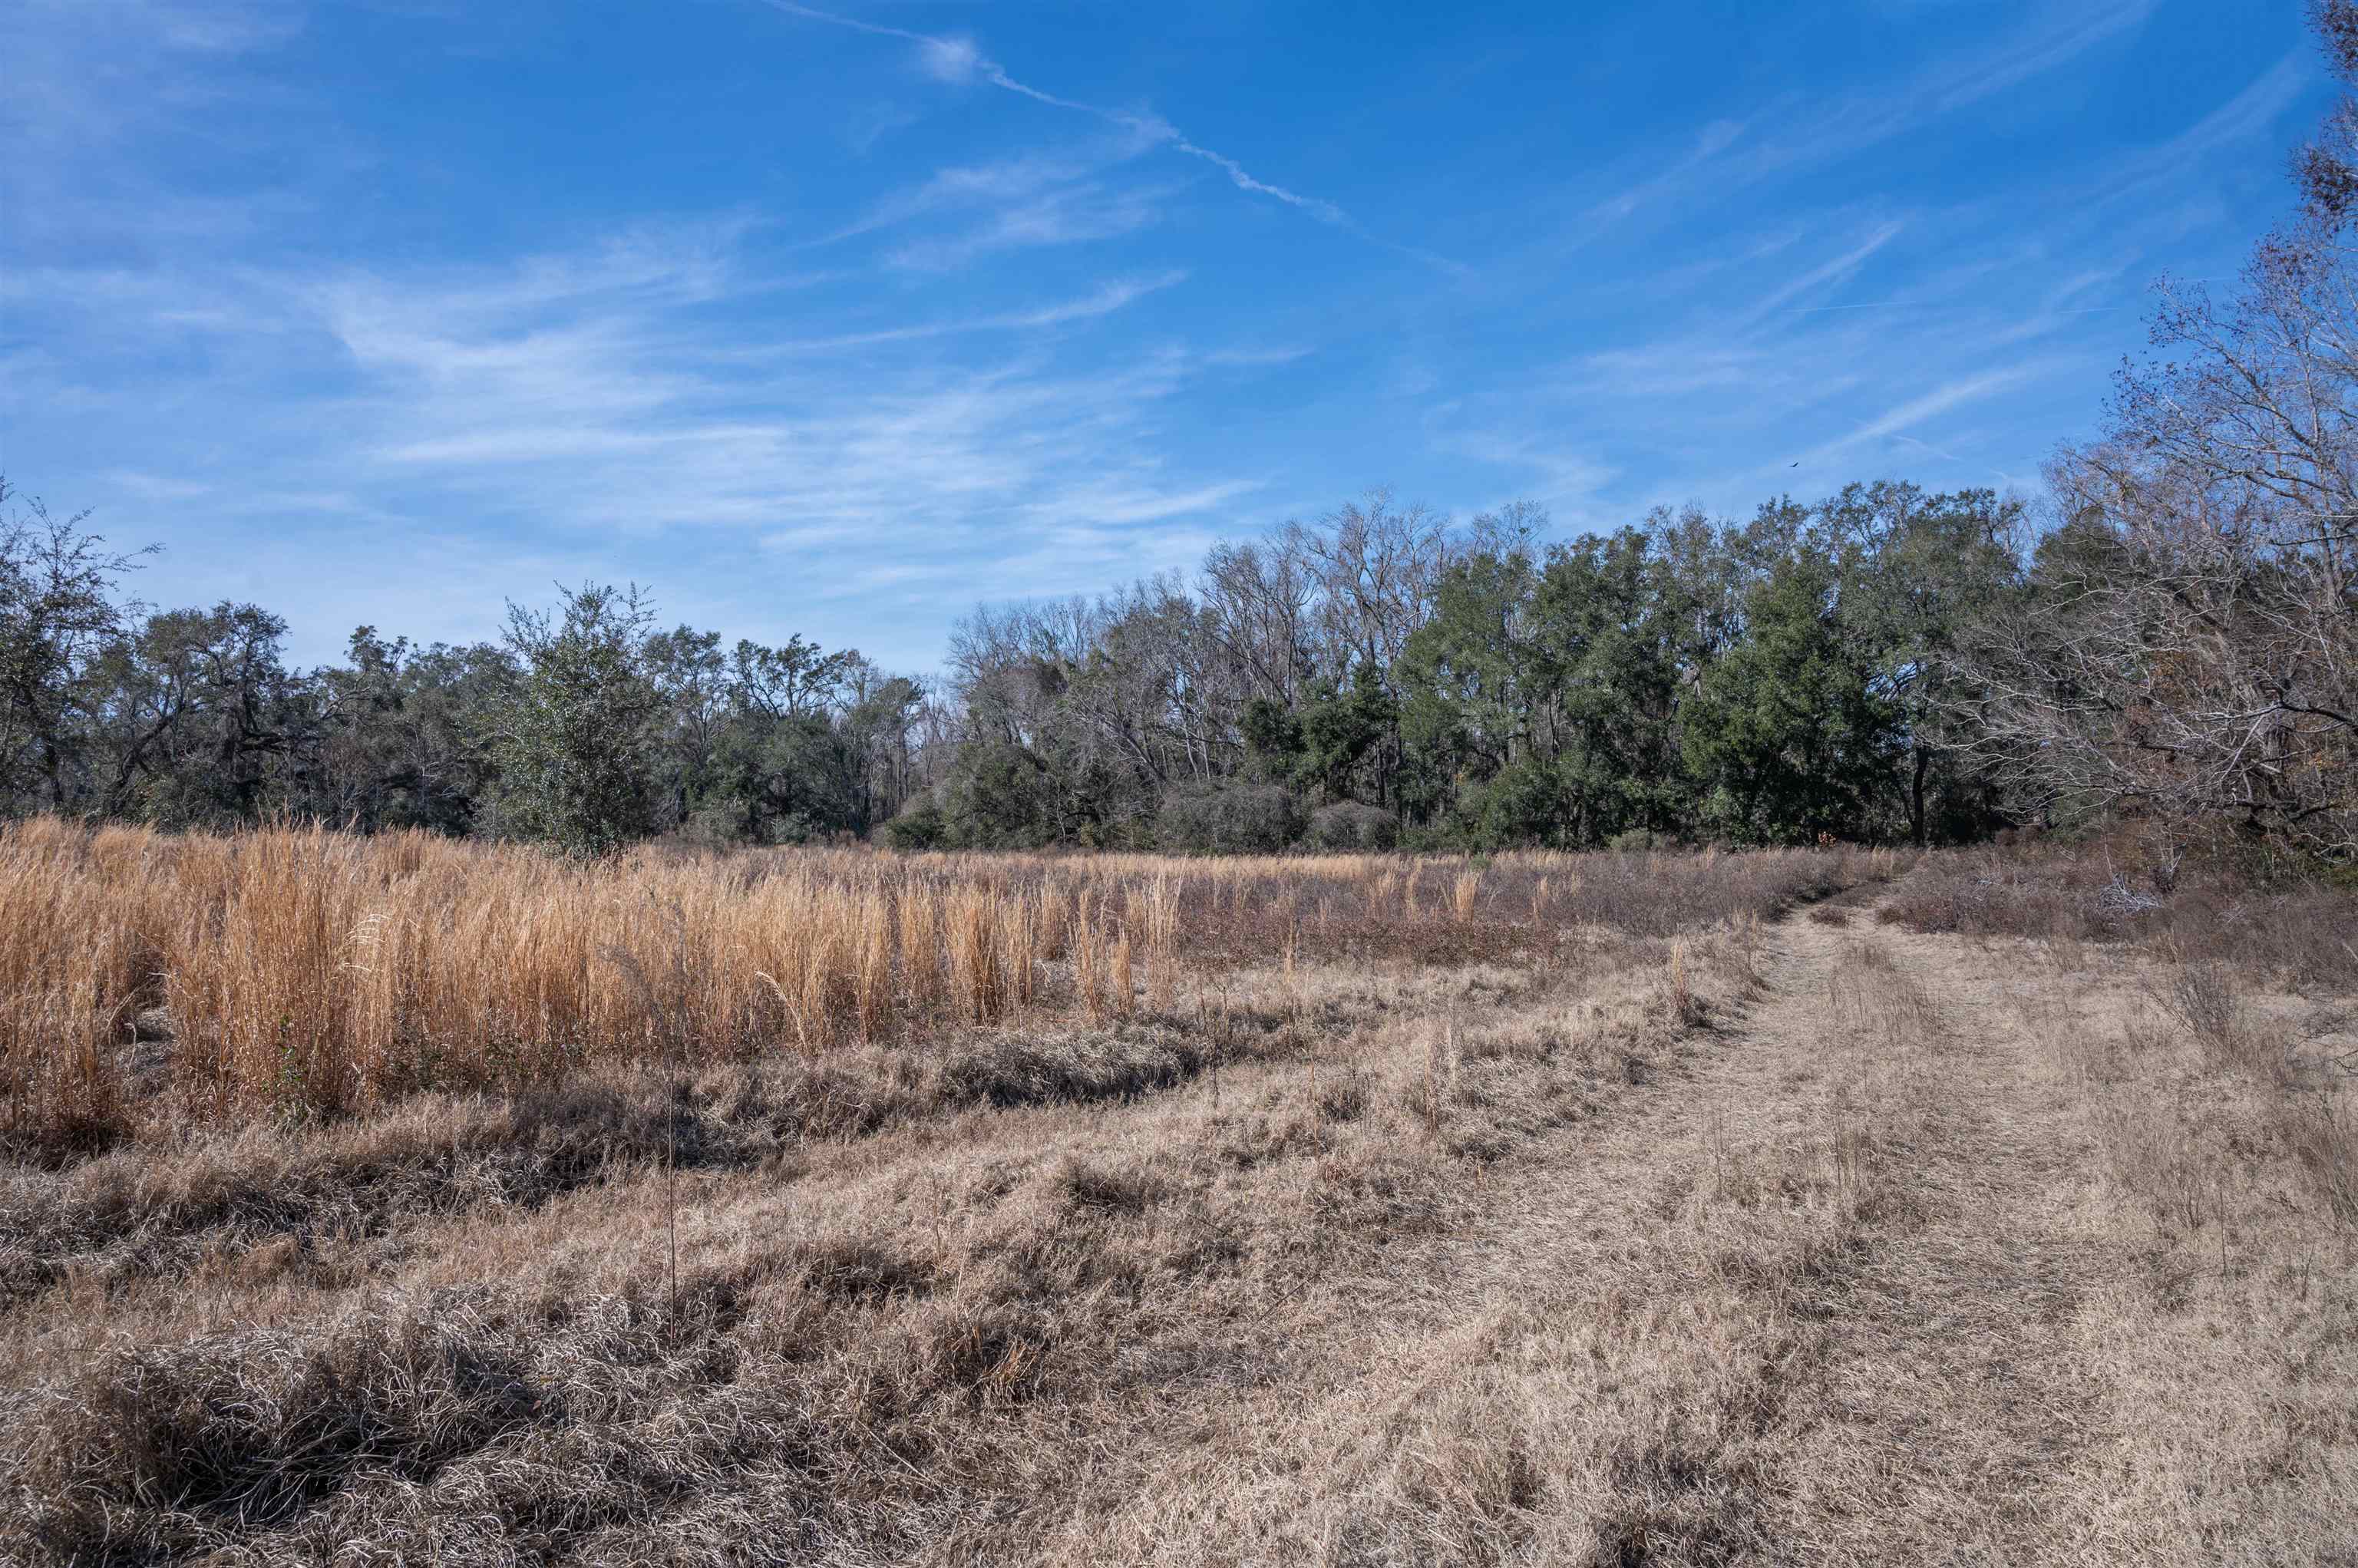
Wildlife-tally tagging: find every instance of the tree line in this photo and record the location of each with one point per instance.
(1888, 664)
(2170, 632)
(1381, 676)
(586, 725)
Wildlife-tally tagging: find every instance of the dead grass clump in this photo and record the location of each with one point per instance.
(164, 1451)
(2205, 999)
(144, 1212)
(436, 1204)
(1006, 1070)
(2322, 1133)
(1106, 1188)
(2180, 1176)
(862, 1268)
(303, 974)
(2292, 931)
(1344, 1096)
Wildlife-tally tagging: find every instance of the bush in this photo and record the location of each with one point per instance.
(1246, 819)
(719, 824)
(1353, 825)
(920, 826)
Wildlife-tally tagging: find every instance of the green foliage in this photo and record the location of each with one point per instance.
(405, 733)
(57, 616)
(1341, 731)
(1371, 682)
(577, 742)
(920, 826)
(1273, 739)
(1787, 735)
(1000, 798)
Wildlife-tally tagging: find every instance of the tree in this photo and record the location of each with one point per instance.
(57, 613)
(1342, 730)
(690, 677)
(577, 745)
(2186, 644)
(1916, 570)
(405, 732)
(1787, 733)
(195, 720)
(2326, 169)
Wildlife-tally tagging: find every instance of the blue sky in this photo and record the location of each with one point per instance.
(836, 321)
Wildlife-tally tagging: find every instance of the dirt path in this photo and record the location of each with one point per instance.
(1810, 1303)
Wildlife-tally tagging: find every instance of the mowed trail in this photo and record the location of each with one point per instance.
(1952, 1415)
(1815, 1299)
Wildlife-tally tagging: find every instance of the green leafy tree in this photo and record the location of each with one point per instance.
(576, 750)
(57, 614)
(1342, 730)
(1787, 733)
(1916, 569)
(405, 740)
(197, 721)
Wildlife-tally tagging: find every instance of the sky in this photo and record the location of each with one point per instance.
(841, 320)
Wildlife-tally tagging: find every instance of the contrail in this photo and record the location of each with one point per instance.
(954, 58)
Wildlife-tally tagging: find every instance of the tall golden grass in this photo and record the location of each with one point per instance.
(293, 969)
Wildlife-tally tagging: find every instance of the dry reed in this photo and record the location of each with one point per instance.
(299, 972)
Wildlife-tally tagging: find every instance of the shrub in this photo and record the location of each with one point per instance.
(920, 827)
(1246, 819)
(1353, 825)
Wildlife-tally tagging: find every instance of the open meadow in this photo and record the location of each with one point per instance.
(398, 1200)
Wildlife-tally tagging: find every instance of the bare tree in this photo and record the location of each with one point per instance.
(1258, 599)
(2187, 643)
(1376, 565)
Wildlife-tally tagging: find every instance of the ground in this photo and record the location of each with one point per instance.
(1817, 1241)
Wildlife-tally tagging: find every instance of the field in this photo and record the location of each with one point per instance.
(398, 1200)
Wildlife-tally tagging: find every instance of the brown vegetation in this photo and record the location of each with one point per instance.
(1548, 1208)
(299, 971)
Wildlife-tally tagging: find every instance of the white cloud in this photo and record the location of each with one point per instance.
(1799, 133)
(957, 60)
(1839, 269)
(952, 59)
(590, 408)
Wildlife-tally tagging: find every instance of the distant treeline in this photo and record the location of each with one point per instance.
(2173, 637)
(1380, 677)
(1887, 666)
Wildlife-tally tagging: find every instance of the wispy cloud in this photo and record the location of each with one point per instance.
(1838, 269)
(1797, 134)
(2017, 60)
(956, 59)
(1072, 215)
(2247, 116)
(1031, 348)
(591, 407)
(1103, 301)
(1954, 394)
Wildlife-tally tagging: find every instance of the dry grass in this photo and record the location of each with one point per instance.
(1609, 1372)
(2298, 934)
(1355, 1210)
(303, 972)
(343, 1170)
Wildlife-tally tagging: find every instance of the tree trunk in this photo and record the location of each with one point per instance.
(1916, 798)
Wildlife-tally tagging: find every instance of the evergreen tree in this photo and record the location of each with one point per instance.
(577, 749)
